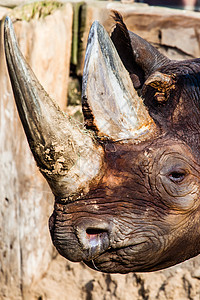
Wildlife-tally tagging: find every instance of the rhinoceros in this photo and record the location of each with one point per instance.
(127, 183)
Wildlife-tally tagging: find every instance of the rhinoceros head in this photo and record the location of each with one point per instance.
(126, 185)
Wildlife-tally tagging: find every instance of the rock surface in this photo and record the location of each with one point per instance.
(174, 32)
(46, 44)
(11, 3)
(25, 199)
(25, 249)
(75, 281)
(4, 11)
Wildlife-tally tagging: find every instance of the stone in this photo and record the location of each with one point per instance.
(76, 281)
(46, 44)
(174, 32)
(11, 3)
(26, 201)
(4, 11)
(186, 40)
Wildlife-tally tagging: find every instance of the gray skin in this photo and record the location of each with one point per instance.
(127, 197)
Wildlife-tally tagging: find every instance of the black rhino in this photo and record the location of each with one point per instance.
(127, 185)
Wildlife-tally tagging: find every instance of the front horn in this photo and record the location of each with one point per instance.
(67, 155)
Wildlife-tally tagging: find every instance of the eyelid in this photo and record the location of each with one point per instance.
(174, 169)
(181, 174)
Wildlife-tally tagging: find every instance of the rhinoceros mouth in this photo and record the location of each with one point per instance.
(82, 240)
(91, 241)
(114, 259)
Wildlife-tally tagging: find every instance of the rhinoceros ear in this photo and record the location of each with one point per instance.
(111, 105)
(121, 39)
(139, 57)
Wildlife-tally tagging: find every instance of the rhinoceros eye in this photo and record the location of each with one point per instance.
(177, 176)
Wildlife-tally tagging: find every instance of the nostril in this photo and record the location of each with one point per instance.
(93, 236)
(95, 231)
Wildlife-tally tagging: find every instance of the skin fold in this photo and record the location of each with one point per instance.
(151, 207)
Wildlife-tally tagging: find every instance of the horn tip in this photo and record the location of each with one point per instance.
(95, 24)
(96, 29)
(9, 33)
(7, 22)
(8, 27)
(95, 38)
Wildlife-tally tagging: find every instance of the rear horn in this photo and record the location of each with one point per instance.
(111, 105)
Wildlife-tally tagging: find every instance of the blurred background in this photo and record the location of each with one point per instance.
(53, 36)
(184, 4)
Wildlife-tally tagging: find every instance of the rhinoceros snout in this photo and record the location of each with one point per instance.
(93, 236)
(82, 239)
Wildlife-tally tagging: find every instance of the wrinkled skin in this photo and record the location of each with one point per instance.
(148, 196)
(151, 208)
(140, 210)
